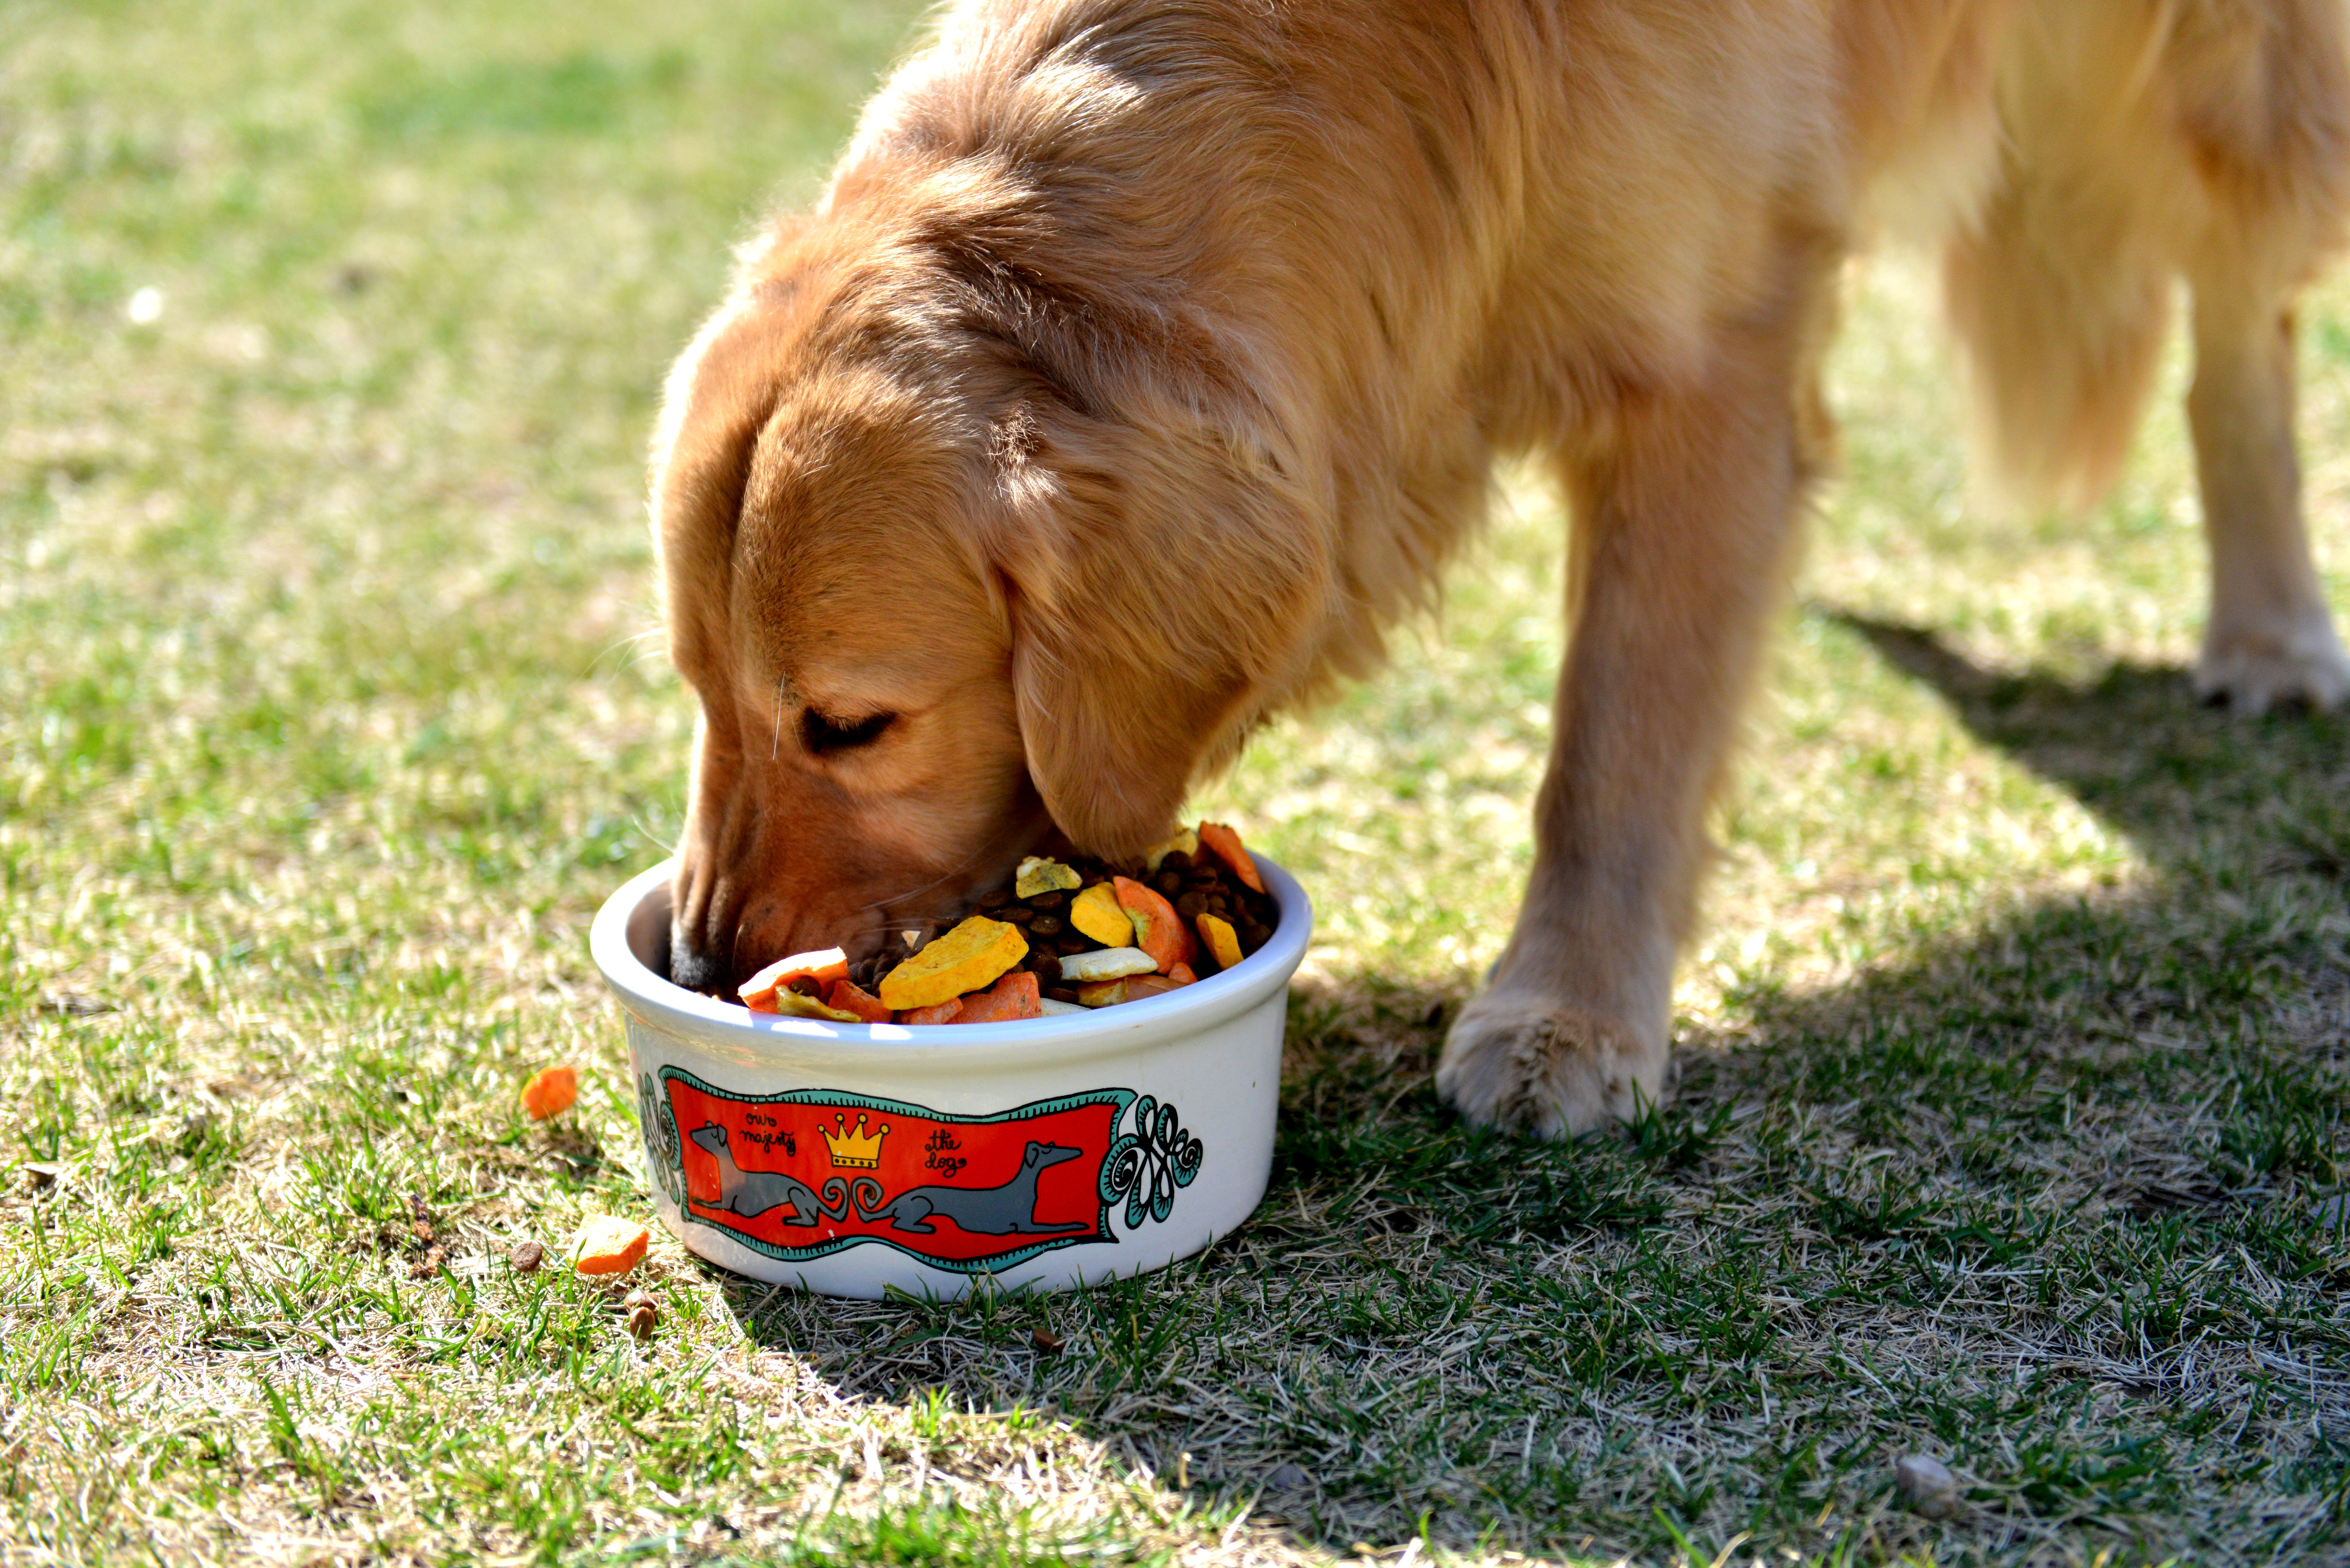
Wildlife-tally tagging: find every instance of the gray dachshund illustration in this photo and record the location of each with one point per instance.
(1006, 1210)
(750, 1192)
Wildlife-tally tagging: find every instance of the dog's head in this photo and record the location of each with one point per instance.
(945, 584)
(711, 1137)
(1037, 1155)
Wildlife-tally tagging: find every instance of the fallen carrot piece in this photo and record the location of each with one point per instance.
(1159, 931)
(1225, 844)
(848, 996)
(1016, 995)
(609, 1245)
(1182, 975)
(551, 1090)
(938, 1012)
(823, 965)
(1223, 942)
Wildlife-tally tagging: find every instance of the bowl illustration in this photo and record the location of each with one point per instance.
(1046, 1152)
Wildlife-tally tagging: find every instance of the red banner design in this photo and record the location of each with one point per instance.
(797, 1175)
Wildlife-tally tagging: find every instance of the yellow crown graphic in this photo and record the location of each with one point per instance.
(858, 1148)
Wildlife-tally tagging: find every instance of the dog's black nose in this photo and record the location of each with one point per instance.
(688, 965)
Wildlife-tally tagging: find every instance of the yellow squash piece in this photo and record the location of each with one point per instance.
(1222, 939)
(1097, 913)
(1185, 840)
(971, 957)
(1038, 874)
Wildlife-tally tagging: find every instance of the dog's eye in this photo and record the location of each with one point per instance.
(822, 735)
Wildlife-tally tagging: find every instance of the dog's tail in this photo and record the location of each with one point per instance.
(2059, 284)
(2060, 299)
(2140, 145)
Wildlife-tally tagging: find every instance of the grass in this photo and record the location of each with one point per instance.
(2012, 1090)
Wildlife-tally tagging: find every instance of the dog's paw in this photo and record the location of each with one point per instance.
(1524, 1061)
(2252, 675)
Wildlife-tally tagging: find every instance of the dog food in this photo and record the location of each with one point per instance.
(1067, 937)
(551, 1090)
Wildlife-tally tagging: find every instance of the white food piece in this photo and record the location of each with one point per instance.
(1055, 1009)
(1110, 963)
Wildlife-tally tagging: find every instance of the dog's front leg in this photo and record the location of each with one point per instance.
(1682, 517)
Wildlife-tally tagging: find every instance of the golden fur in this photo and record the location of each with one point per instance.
(1146, 359)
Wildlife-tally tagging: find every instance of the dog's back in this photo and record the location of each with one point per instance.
(1262, 289)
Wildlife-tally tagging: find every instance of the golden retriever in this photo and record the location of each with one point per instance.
(1146, 359)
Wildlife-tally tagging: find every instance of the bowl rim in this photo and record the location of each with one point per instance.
(1185, 1010)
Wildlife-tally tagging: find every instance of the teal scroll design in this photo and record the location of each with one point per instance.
(664, 1150)
(1146, 1167)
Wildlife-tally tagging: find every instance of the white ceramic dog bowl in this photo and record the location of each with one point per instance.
(848, 1158)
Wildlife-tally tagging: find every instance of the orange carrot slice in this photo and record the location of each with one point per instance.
(1225, 844)
(1159, 931)
(938, 1013)
(848, 996)
(824, 966)
(1016, 995)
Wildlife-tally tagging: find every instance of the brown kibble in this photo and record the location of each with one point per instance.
(1051, 901)
(1168, 882)
(1062, 993)
(1178, 862)
(1046, 967)
(609, 1245)
(551, 1091)
(527, 1257)
(1020, 915)
(996, 899)
(1046, 924)
(644, 1314)
(1192, 905)
(1045, 1339)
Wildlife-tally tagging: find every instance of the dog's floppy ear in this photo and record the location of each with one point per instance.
(1164, 587)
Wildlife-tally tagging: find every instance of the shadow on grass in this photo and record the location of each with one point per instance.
(2036, 1200)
